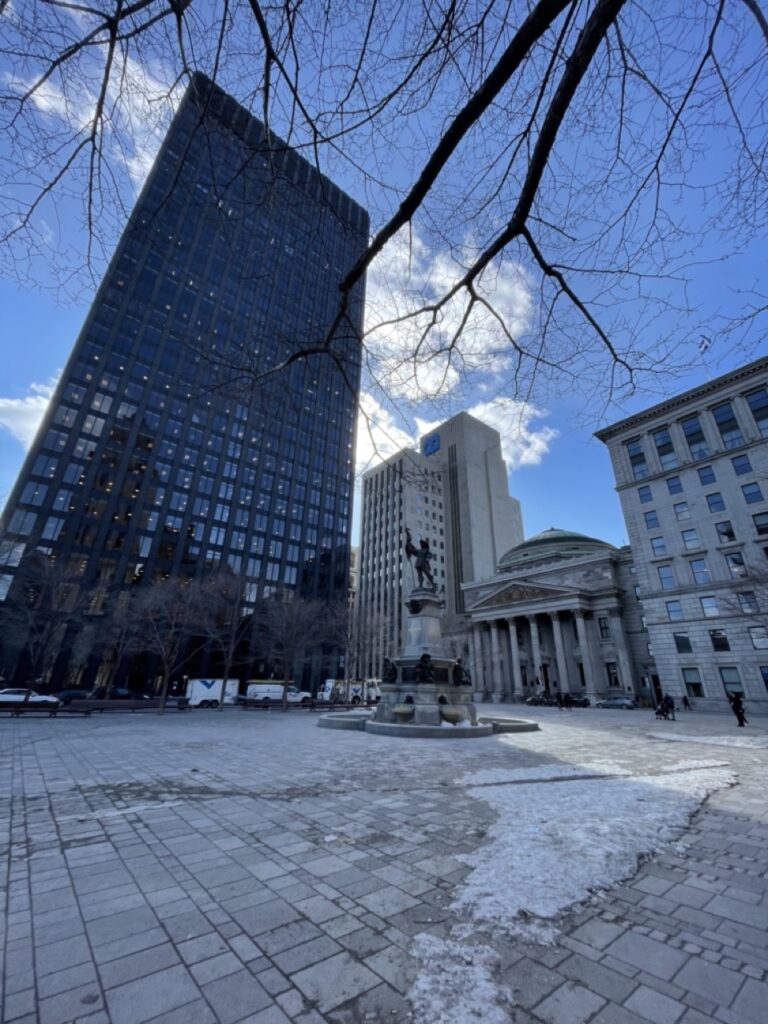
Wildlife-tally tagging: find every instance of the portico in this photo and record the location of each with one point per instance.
(553, 620)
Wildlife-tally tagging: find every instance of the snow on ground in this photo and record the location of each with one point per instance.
(760, 742)
(550, 847)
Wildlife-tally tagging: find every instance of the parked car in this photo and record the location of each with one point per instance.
(625, 703)
(541, 700)
(579, 701)
(118, 693)
(67, 696)
(14, 697)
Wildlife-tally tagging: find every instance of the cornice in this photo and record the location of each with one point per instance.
(701, 391)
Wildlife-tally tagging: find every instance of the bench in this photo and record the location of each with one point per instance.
(89, 705)
(17, 710)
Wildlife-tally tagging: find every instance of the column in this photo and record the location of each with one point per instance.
(587, 659)
(622, 654)
(562, 664)
(495, 680)
(536, 650)
(514, 647)
(476, 661)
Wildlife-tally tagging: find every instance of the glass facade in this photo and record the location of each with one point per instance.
(188, 433)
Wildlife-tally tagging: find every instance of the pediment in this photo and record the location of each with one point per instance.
(523, 593)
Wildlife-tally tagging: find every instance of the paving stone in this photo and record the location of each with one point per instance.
(235, 996)
(265, 917)
(197, 1012)
(597, 978)
(597, 933)
(751, 1002)
(334, 981)
(130, 944)
(530, 982)
(647, 954)
(62, 981)
(217, 967)
(137, 965)
(299, 957)
(202, 948)
(395, 966)
(709, 980)
(66, 1006)
(19, 1005)
(654, 1006)
(570, 1004)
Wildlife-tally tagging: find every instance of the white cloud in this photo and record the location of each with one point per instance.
(378, 436)
(21, 416)
(522, 444)
(419, 354)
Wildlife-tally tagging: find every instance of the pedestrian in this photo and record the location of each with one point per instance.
(559, 700)
(567, 702)
(737, 707)
(669, 707)
(686, 704)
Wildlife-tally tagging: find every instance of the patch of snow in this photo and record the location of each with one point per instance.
(550, 847)
(757, 742)
(554, 850)
(457, 984)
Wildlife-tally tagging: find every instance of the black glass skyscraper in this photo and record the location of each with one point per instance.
(185, 435)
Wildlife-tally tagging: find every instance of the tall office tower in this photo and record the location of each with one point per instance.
(452, 492)
(159, 456)
(691, 474)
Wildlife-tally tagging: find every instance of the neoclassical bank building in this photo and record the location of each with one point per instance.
(561, 614)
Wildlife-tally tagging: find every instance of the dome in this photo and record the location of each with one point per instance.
(552, 544)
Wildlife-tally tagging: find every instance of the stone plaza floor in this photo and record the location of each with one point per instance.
(250, 867)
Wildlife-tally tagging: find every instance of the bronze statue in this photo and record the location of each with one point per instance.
(423, 557)
(388, 672)
(461, 676)
(425, 672)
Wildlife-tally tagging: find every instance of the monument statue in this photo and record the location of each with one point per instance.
(461, 676)
(425, 672)
(423, 557)
(389, 671)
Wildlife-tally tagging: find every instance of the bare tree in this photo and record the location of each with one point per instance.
(43, 611)
(120, 636)
(168, 614)
(225, 619)
(290, 630)
(543, 177)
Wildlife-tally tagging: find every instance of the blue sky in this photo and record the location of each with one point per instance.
(560, 473)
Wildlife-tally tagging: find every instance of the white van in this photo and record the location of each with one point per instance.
(271, 692)
(350, 691)
(206, 693)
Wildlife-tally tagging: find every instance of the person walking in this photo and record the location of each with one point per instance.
(737, 707)
(669, 707)
(686, 704)
(567, 702)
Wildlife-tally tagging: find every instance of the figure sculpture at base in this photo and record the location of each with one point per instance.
(388, 672)
(461, 676)
(425, 672)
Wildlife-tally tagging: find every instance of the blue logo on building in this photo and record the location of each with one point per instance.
(430, 444)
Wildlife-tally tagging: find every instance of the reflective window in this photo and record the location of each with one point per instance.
(725, 532)
(706, 475)
(674, 611)
(682, 643)
(664, 448)
(674, 485)
(752, 493)
(690, 539)
(694, 436)
(709, 606)
(666, 577)
(699, 570)
(636, 456)
(741, 464)
(715, 502)
(719, 640)
(682, 511)
(758, 404)
(728, 425)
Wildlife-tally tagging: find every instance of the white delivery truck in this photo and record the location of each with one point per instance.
(206, 693)
(269, 691)
(350, 691)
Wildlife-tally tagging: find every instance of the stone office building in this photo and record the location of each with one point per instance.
(560, 615)
(452, 492)
(692, 476)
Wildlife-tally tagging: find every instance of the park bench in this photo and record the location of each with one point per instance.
(17, 710)
(88, 705)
